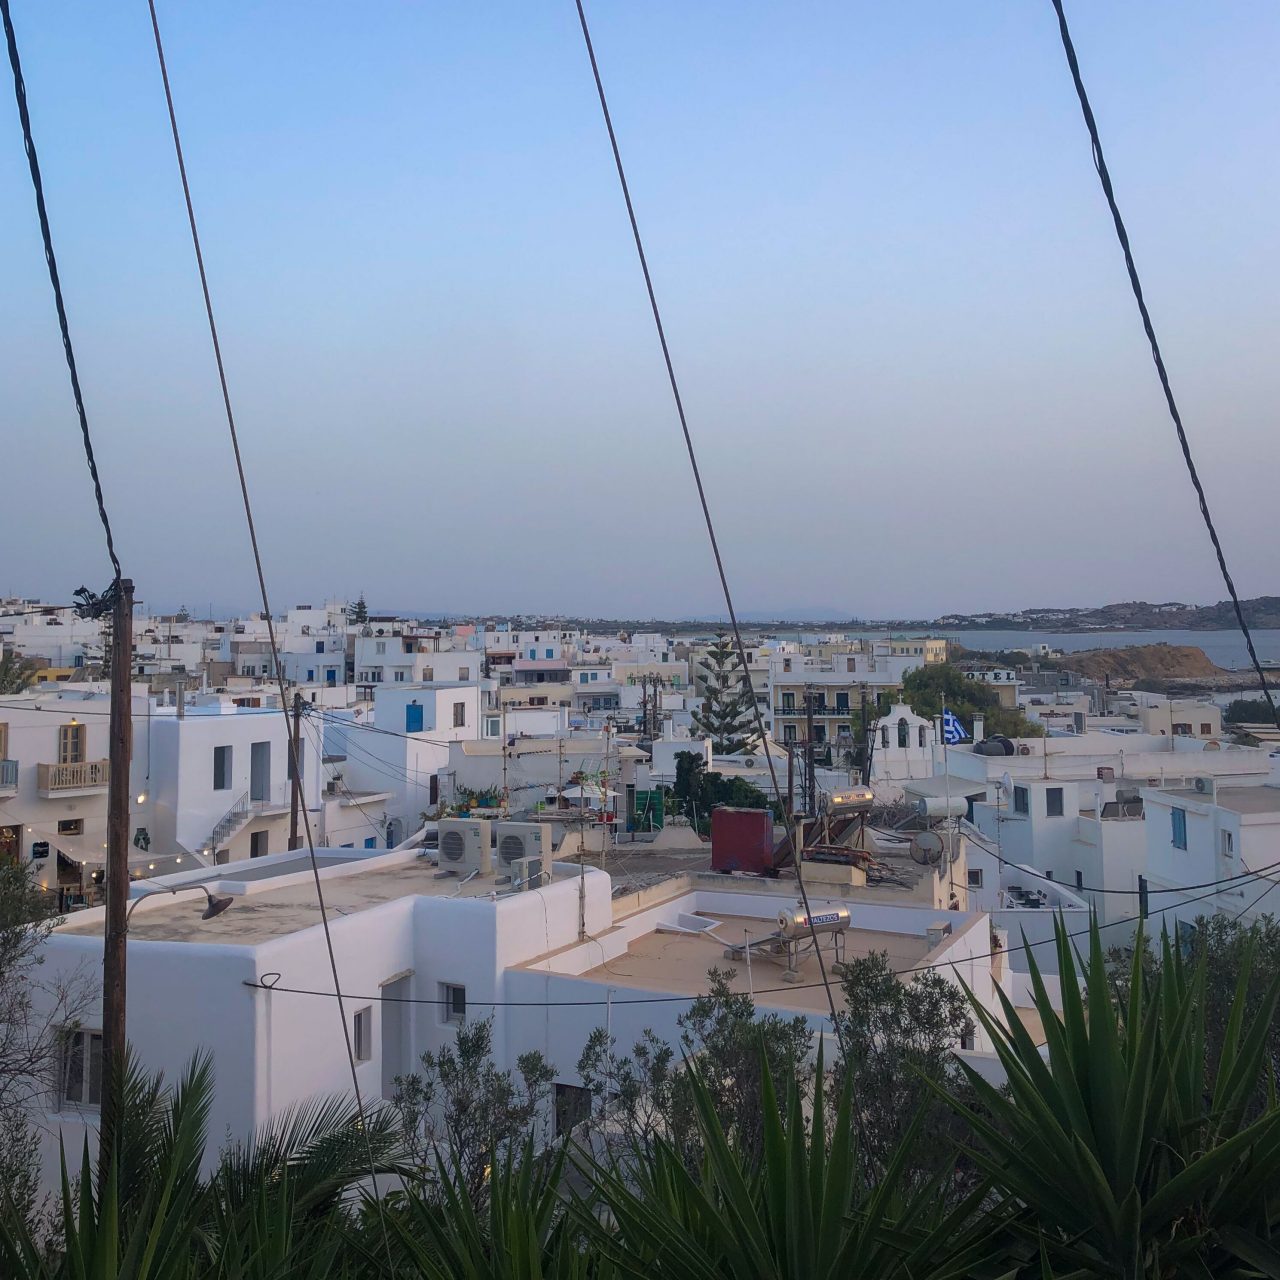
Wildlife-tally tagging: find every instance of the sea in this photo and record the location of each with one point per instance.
(1225, 649)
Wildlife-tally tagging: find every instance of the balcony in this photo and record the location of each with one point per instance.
(8, 777)
(85, 778)
(820, 709)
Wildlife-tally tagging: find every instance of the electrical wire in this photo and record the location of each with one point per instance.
(268, 619)
(676, 999)
(1104, 176)
(33, 163)
(702, 494)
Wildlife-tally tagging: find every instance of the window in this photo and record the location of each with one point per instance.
(464, 673)
(453, 1002)
(71, 826)
(1079, 878)
(788, 702)
(1053, 801)
(572, 1107)
(319, 646)
(459, 714)
(583, 677)
(884, 736)
(493, 726)
(551, 653)
(595, 675)
(1228, 843)
(788, 733)
(786, 664)
(1206, 730)
(71, 743)
(362, 1033)
(1179, 828)
(399, 676)
(975, 877)
(371, 842)
(258, 844)
(380, 646)
(966, 1039)
(921, 735)
(842, 701)
(1021, 801)
(222, 768)
(4, 741)
(413, 718)
(81, 1083)
(903, 731)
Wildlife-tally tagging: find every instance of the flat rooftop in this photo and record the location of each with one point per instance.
(276, 910)
(1237, 799)
(678, 962)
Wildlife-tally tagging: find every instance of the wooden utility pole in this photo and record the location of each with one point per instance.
(117, 869)
(295, 772)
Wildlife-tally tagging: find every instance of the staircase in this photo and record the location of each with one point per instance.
(230, 822)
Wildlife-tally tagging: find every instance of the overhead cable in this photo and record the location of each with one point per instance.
(1104, 176)
(697, 479)
(270, 624)
(33, 163)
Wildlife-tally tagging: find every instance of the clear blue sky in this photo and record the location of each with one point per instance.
(909, 354)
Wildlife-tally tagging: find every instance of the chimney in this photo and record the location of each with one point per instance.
(979, 728)
(180, 697)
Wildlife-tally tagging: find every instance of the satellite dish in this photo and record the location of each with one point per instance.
(1006, 784)
(926, 848)
(1213, 745)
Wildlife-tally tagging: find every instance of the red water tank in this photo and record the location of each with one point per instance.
(741, 840)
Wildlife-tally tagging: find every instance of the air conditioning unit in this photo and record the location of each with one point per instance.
(1203, 786)
(465, 846)
(516, 840)
(528, 873)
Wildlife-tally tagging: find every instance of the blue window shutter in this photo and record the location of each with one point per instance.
(551, 653)
(582, 677)
(413, 718)
(1180, 828)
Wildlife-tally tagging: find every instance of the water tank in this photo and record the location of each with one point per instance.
(795, 923)
(741, 840)
(997, 746)
(942, 807)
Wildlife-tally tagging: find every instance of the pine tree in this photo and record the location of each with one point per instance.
(728, 714)
(359, 611)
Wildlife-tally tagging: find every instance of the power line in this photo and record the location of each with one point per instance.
(677, 999)
(33, 163)
(267, 616)
(1104, 176)
(697, 479)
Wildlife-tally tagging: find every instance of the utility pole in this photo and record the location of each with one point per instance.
(117, 870)
(864, 730)
(502, 728)
(295, 760)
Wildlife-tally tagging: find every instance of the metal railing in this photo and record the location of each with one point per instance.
(72, 777)
(8, 775)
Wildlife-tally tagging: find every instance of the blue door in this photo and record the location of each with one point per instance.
(413, 718)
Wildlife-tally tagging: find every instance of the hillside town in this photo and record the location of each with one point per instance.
(765, 891)
(505, 819)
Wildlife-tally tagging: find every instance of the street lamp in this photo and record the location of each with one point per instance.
(214, 907)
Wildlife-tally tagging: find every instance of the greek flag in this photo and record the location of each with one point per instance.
(952, 730)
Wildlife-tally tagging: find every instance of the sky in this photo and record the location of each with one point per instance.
(913, 369)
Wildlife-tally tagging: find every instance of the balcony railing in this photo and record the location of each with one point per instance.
(84, 776)
(8, 775)
(819, 709)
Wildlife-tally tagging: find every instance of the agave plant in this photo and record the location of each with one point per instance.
(272, 1208)
(798, 1211)
(523, 1232)
(1131, 1154)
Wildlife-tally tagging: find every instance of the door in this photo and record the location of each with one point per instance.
(10, 844)
(260, 771)
(395, 1034)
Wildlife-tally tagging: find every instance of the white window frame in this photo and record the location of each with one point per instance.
(81, 1041)
(449, 1012)
(362, 1033)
